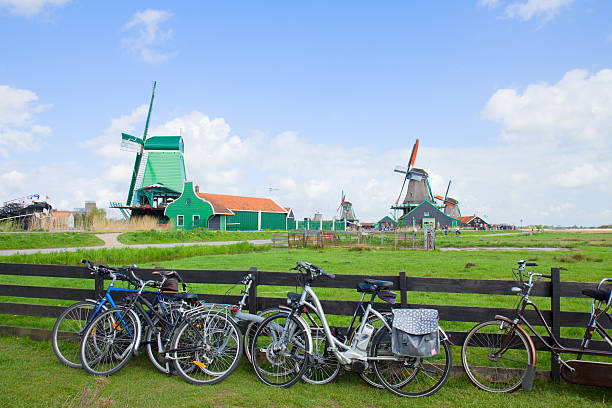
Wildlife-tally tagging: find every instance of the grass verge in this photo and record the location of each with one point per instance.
(32, 376)
(48, 240)
(195, 235)
(127, 256)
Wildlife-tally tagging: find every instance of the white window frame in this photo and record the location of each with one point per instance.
(180, 221)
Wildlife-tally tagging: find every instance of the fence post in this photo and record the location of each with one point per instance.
(253, 300)
(98, 286)
(402, 288)
(555, 309)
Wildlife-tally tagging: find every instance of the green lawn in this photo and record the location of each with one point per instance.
(27, 240)
(196, 235)
(32, 376)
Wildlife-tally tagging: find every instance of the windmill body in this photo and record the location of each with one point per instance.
(449, 205)
(345, 211)
(418, 185)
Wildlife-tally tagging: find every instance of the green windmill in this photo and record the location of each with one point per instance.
(158, 175)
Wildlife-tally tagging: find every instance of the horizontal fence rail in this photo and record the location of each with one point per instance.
(553, 289)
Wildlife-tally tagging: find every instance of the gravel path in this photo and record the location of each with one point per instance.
(111, 244)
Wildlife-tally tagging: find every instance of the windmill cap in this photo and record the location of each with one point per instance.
(452, 200)
(420, 171)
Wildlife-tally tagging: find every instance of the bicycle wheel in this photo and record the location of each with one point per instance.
(412, 376)
(157, 340)
(280, 350)
(369, 375)
(207, 348)
(66, 334)
(249, 333)
(495, 356)
(109, 341)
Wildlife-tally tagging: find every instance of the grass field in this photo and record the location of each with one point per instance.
(32, 376)
(196, 235)
(48, 240)
(588, 260)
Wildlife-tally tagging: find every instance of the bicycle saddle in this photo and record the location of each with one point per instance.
(295, 297)
(182, 296)
(598, 294)
(373, 285)
(164, 273)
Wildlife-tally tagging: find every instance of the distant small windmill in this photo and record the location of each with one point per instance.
(418, 185)
(449, 205)
(345, 210)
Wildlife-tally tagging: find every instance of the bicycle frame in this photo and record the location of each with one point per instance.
(345, 354)
(555, 346)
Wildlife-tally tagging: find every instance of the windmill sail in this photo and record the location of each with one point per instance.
(137, 162)
(131, 143)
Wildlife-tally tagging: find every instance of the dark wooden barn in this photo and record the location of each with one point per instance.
(428, 214)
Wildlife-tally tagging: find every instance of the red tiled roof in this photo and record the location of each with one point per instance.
(60, 214)
(465, 220)
(223, 204)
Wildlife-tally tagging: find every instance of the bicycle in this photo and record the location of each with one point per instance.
(500, 356)
(283, 343)
(70, 325)
(109, 339)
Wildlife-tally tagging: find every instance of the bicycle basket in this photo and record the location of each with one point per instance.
(170, 285)
(415, 332)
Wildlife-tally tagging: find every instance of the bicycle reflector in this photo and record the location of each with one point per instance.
(199, 364)
(234, 309)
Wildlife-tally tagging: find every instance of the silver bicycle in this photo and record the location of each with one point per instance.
(282, 348)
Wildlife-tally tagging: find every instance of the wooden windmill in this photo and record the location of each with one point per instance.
(158, 175)
(345, 210)
(418, 185)
(449, 205)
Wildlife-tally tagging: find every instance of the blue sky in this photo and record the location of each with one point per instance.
(510, 100)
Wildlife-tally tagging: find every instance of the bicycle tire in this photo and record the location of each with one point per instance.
(66, 333)
(415, 376)
(109, 341)
(491, 373)
(369, 375)
(203, 345)
(278, 361)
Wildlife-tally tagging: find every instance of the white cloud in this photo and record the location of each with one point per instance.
(489, 3)
(526, 10)
(536, 8)
(30, 8)
(18, 109)
(574, 113)
(148, 35)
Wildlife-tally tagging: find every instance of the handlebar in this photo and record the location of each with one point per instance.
(313, 269)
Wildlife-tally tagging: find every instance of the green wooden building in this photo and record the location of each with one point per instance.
(222, 212)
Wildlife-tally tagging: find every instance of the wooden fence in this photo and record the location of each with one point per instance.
(553, 289)
(348, 239)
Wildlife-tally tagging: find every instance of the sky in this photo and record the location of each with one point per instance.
(298, 101)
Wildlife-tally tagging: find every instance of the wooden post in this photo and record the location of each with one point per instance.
(253, 301)
(555, 310)
(98, 286)
(402, 287)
